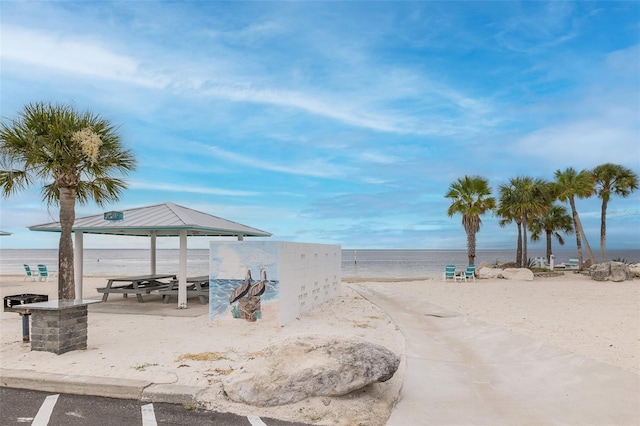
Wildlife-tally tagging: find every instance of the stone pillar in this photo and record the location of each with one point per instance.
(59, 330)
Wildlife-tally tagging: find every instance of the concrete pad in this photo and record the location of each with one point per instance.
(153, 305)
(78, 385)
(461, 371)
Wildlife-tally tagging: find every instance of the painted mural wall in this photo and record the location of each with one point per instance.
(299, 276)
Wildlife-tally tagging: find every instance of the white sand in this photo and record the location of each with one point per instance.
(594, 319)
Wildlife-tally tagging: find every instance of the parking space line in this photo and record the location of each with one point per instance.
(148, 415)
(45, 411)
(256, 421)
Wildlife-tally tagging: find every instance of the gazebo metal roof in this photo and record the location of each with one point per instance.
(166, 220)
(161, 220)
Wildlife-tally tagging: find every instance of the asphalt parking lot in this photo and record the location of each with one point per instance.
(21, 406)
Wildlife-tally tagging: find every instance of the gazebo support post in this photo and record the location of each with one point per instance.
(182, 274)
(77, 263)
(152, 249)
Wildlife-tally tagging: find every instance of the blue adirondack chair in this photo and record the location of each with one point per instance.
(470, 273)
(45, 274)
(28, 273)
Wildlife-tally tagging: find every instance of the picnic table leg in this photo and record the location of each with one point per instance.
(139, 296)
(105, 296)
(166, 298)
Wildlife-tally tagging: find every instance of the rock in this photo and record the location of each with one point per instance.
(517, 274)
(634, 270)
(489, 273)
(610, 271)
(484, 264)
(306, 366)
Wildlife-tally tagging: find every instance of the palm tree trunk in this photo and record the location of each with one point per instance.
(603, 230)
(471, 247)
(549, 235)
(592, 258)
(66, 280)
(525, 258)
(577, 226)
(519, 248)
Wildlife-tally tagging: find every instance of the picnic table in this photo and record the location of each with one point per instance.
(196, 286)
(139, 285)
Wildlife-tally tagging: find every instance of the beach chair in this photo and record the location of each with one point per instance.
(449, 273)
(45, 274)
(541, 262)
(470, 273)
(28, 273)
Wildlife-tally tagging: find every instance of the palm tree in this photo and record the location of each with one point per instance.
(611, 179)
(552, 223)
(570, 184)
(523, 197)
(73, 155)
(471, 197)
(506, 210)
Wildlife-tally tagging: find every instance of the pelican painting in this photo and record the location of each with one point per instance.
(242, 289)
(259, 287)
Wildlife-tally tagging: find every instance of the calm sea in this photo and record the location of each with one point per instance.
(355, 263)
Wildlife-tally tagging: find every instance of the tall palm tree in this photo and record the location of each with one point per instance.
(611, 179)
(507, 211)
(471, 197)
(523, 197)
(74, 156)
(568, 185)
(554, 222)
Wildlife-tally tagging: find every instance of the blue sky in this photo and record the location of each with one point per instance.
(335, 122)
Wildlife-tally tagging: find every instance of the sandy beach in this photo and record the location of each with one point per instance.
(154, 341)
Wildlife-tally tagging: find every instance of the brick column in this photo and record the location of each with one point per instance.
(59, 330)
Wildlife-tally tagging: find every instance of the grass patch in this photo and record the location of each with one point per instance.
(204, 356)
(143, 367)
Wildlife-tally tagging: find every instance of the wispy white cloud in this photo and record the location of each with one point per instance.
(359, 106)
(315, 167)
(72, 55)
(187, 188)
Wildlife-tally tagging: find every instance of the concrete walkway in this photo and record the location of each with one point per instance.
(461, 371)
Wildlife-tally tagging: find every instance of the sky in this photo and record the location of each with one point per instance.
(334, 122)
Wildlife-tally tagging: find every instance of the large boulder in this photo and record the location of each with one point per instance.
(517, 274)
(301, 367)
(610, 271)
(634, 270)
(489, 272)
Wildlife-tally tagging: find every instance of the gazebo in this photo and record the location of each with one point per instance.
(161, 220)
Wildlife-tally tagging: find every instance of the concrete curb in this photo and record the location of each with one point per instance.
(141, 390)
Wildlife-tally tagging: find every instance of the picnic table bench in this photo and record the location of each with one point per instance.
(196, 286)
(140, 285)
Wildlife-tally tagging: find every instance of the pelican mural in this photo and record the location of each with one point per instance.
(249, 307)
(242, 289)
(259, 287)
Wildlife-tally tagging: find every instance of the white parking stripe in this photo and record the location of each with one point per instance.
(256, 421)
(148, 415)
(44, 413)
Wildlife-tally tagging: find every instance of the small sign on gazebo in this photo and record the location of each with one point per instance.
(113, 215)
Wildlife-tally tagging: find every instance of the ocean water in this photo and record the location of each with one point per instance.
(355, 263)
